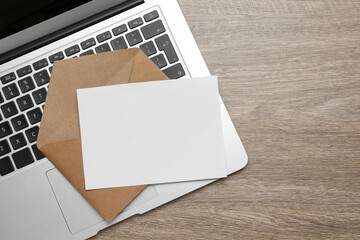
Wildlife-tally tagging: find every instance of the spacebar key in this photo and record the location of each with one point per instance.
(175, 72)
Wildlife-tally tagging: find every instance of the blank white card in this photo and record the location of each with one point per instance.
(151, 132)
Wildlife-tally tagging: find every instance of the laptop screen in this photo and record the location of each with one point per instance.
(24, 21)
(17, 15)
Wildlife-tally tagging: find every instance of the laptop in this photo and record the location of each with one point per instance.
(36, 201)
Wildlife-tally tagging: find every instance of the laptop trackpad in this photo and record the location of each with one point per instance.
(78, 213)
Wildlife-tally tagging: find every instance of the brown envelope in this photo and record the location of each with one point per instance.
(59, 135)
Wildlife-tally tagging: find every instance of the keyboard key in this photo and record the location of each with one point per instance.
(89, 52)
(39, 95)
(72, 50)
(26, 84)
(24, 71)
(56, 57)
(8, 78)
(40, 64)
(135, 23)
(5, 129)
(18, 141)
(34, 116)
(6, 166)
(39, 155)
(119, 43)
(104, 36)
(159, 60)
(19, 122)
(9, 109)
(22, 158)
(88, 43)
(151, 16)
(1, 98)
(153, 29)
(11, 91)
(164, 44)
(134, 37)
(103, 48)
(175, 71)
(25, 102)
(42, 78)
(148, 48)
(119, 30)
(32, 134)
(4, 148)
(50, 69)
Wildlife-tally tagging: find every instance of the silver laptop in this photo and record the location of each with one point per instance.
(36, 201)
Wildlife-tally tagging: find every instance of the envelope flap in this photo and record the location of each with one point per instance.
(60, 117)
(143, 69)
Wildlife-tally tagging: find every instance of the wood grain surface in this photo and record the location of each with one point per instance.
(289, 75)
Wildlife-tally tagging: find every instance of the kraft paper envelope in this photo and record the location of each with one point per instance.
(59, 134)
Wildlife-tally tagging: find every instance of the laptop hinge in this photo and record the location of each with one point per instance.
(43, 41)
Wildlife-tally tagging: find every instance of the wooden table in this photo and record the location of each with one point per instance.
(289, 75)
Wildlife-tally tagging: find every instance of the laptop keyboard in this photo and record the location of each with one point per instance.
(24, 90)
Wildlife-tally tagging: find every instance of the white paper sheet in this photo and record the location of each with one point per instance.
(152, 132)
